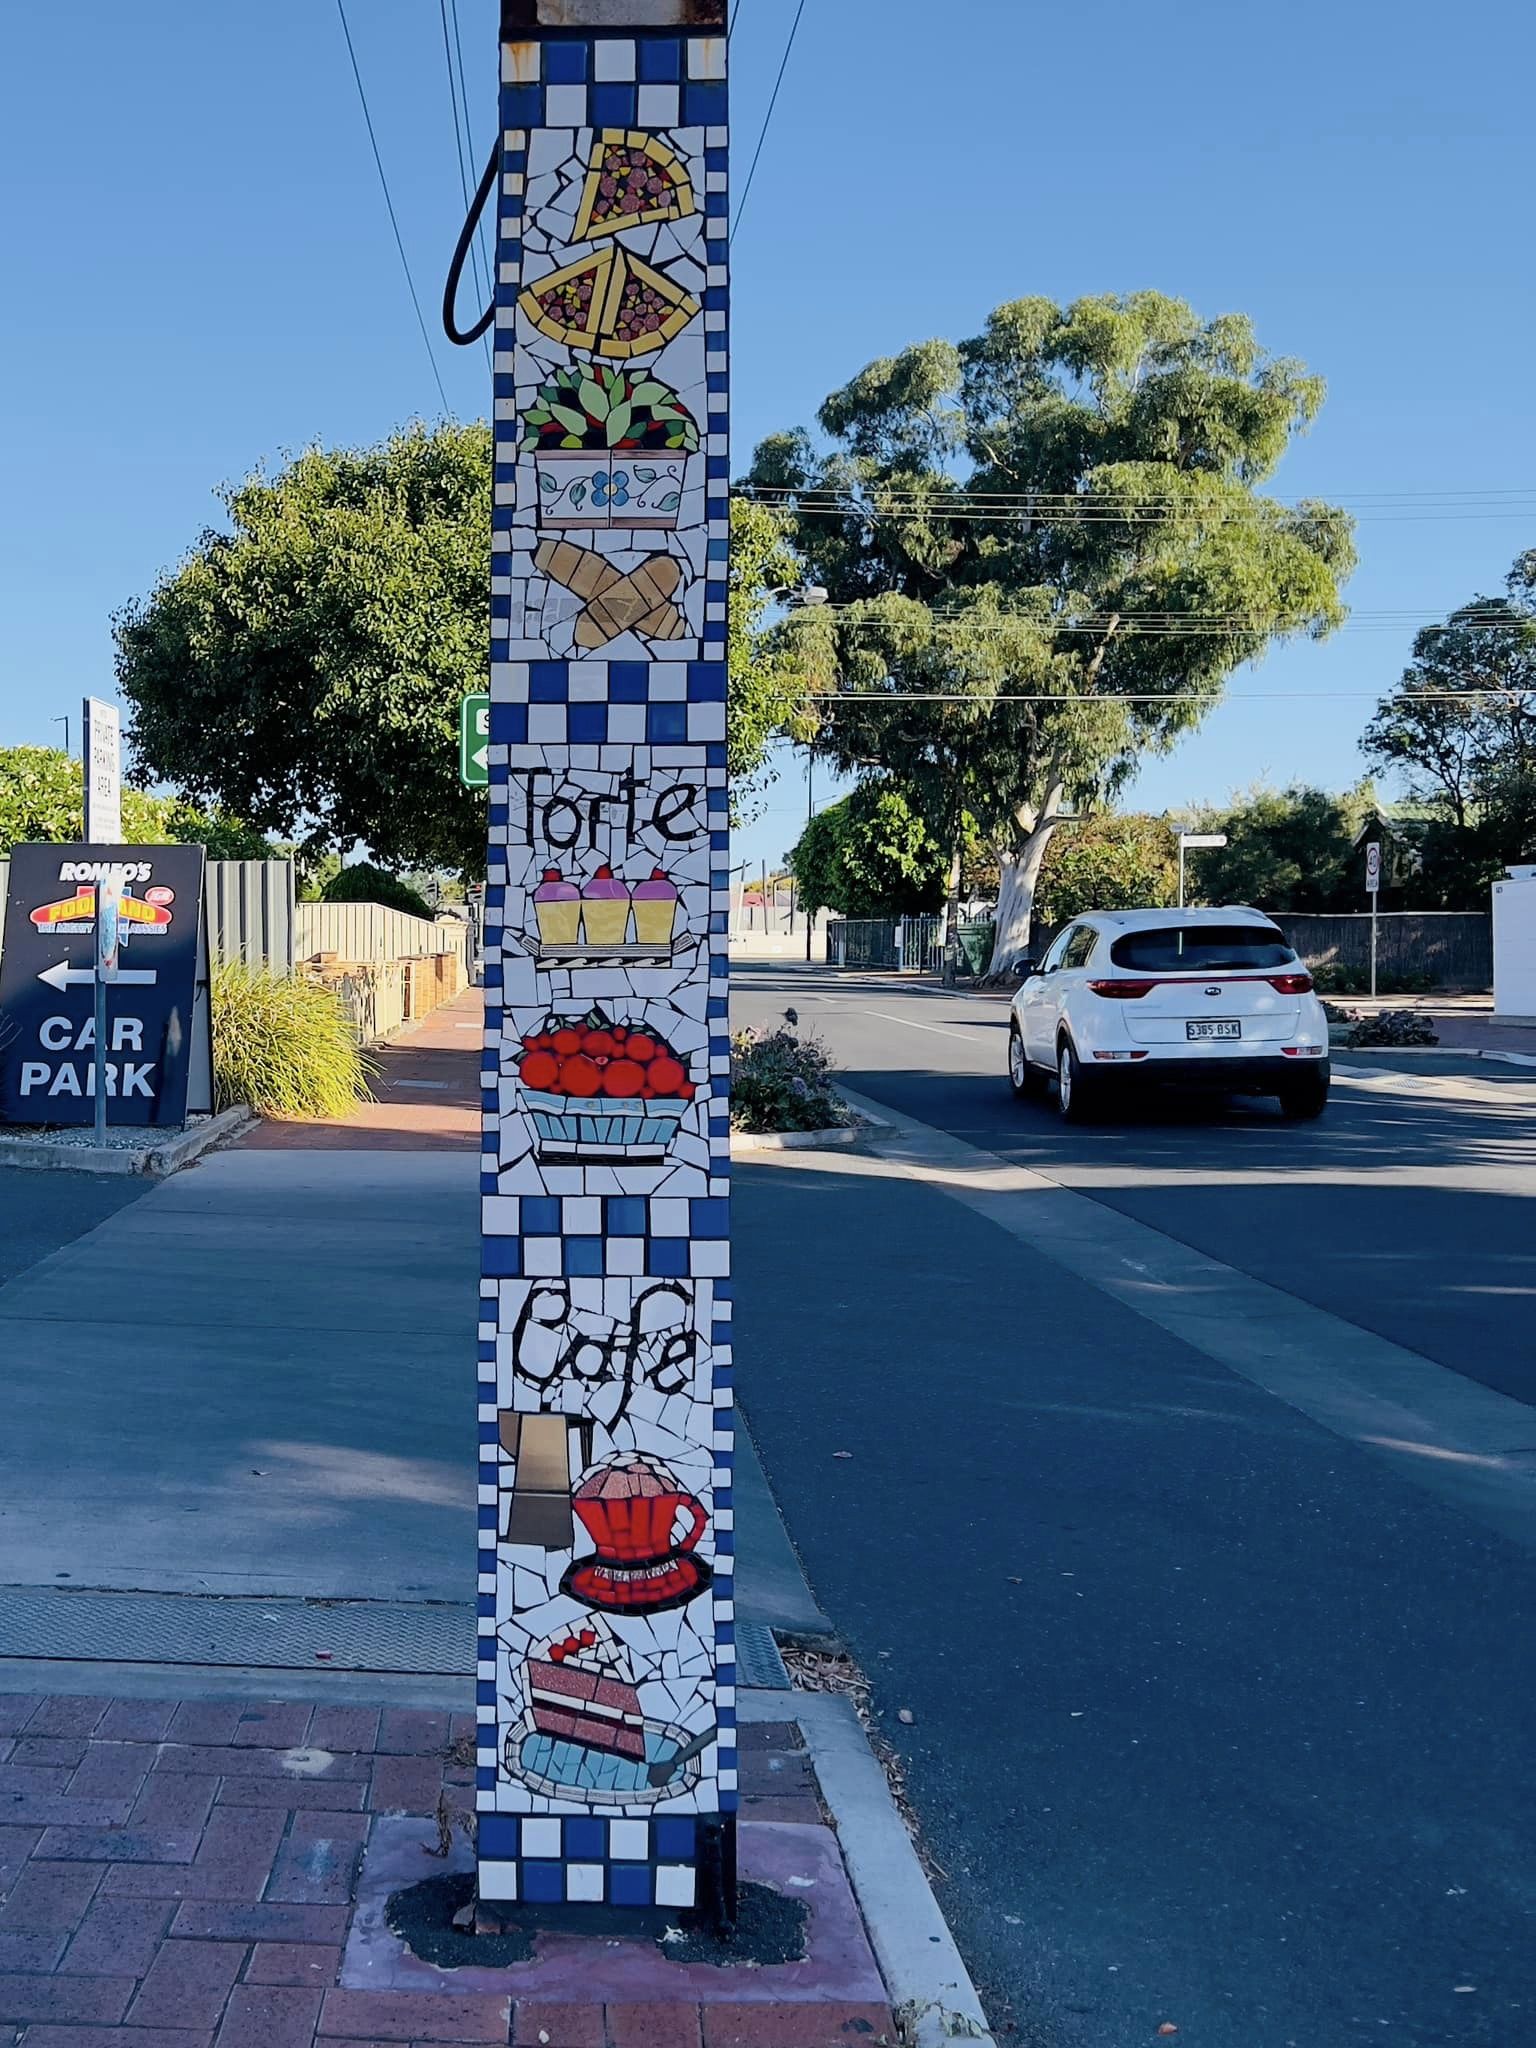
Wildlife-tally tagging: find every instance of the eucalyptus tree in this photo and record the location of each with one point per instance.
(1045, 550)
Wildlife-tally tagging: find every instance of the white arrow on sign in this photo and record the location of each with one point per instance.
(480, 759)
(64, 976)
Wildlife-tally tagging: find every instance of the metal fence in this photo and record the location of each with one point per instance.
(903, 945)
(374, 933)
(1451, 948)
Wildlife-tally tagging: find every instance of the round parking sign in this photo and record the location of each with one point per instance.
(160, 896)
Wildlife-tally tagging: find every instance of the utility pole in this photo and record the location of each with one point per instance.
(607, 1671)
(810, 819)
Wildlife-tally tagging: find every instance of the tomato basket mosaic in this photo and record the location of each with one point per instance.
(597, 1090)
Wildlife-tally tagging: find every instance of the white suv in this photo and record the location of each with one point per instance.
(1136, 998)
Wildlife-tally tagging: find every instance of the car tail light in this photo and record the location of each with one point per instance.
(1120, 1055)
(1122, 991)
(1303, 1052)
(1291, 984)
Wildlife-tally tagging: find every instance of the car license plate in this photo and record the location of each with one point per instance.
(1215, 1027)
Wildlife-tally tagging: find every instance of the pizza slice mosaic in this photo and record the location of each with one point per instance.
(606, 1677)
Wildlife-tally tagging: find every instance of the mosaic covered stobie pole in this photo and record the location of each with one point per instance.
(607, 1764)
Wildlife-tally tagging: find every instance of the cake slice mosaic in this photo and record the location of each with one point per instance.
(606, 1678)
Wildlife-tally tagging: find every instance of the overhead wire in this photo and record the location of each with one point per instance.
(394, 222)
(463, 142)
(778, 87)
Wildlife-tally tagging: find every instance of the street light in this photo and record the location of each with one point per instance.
(1196, 840)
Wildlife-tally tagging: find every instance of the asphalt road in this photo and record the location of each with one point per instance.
(1219, 1721)
(42, 1212)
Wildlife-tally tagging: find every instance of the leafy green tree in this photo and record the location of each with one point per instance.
(767, 690)
(42, 800)
(1046, 550)
(305, 669)
(1461, 725)
(1122, 862)
(362, 882)
(871, 855)
(1287, 849)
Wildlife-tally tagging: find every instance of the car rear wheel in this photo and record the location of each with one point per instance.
(1076, 1095)
(1304, 1098)
(1027, 1082)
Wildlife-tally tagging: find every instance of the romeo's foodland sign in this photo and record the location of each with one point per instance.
(48, 1048)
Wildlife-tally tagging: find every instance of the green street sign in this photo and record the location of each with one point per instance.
(475, 742)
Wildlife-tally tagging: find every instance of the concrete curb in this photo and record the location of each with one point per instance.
(930, 1988)
(158, 1160)
(792, 1141)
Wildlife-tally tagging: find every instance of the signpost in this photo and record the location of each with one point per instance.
(102, 751)
(1196, 840)
(475, 742)
(85, 1037)
(1373, 890)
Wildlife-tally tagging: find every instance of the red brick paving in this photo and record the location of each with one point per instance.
(443, 1116)
(200, 1896)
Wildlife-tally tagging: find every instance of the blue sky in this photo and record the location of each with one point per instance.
(200, 273)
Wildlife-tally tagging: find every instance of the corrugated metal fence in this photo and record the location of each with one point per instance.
(1451, 948)
(248, 907)
(373, 932)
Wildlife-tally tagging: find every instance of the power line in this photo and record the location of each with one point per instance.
(895, 698)
(486, 252)
(461, 139)
(746, 194)
(390, 204)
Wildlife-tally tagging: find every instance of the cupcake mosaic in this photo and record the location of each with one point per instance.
(606, 917)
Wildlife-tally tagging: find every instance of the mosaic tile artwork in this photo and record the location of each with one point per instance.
(606, 1678)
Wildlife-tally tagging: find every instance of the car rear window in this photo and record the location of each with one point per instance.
(1201, 949)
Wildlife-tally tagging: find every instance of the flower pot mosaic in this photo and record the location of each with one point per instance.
(606, 918)
(602, 1092)
(610, 449)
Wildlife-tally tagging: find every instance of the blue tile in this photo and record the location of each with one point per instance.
(485, 1777)
(541, 1215)
(509, 725)
(582, 1258)
(548, 682)
(503, 1258)
(705, 105)
(660, 60)
(666, 724)
(614, 106)
(626, 1216)
(522, 106)
(498, 814)
(485, 1692)
(586, 725)
(718, 204)
(629, 1884)
(706, 682)
(675, 1841)
(667, 1258)
(486, 1520)
(565, 63)
(717, 160)
(542, 1884)
(628, 682)
(585, 1841)
(709, 1216)
(496, 1837)
(489, 1184)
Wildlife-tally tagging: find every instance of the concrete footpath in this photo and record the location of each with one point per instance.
(236, 1539)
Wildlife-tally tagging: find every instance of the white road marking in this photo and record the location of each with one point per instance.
(939, 1030)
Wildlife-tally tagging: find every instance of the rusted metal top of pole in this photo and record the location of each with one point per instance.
(520, 18)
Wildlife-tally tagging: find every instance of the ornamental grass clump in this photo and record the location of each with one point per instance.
(284, 1046)
(783, 1082)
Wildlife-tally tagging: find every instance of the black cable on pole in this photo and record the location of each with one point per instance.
(465, 337)
(741, 205)
(459, 142)
(390, 204)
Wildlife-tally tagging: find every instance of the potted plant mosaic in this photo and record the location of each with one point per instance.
(610, 447)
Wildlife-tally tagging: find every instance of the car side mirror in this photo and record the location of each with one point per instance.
(1029, 967)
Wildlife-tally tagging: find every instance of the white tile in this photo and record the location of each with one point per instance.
(669, 1219)
(626, 723)
(501, 1215)
(629, 1841)
(541, 1257)
(674, 1885)
(613, 60)
(581, 1216)
(584, 1882)
(710, 1259)
(565, 106)
(659, 106)
(498, 1880)
(706, 56)
(546, 724)
(540, 1838)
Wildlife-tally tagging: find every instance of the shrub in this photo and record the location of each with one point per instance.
(1333, 978)
(285, 1046)
(1390, 1027)
(782, 1082)
(364, 883)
